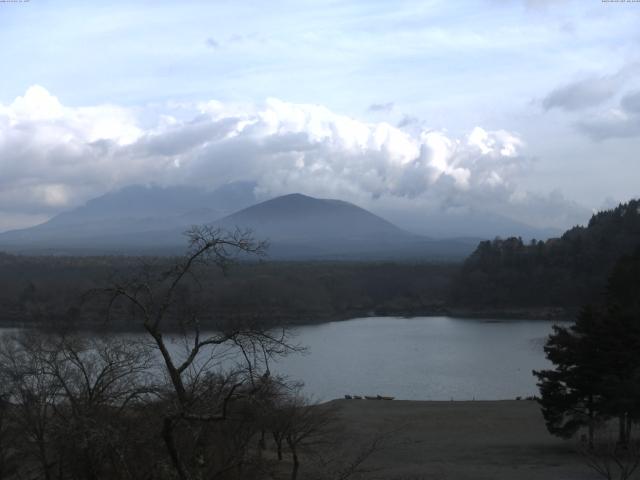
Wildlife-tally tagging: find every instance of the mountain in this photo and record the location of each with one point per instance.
(132, 216)
(298, 226)
(473, 222)
(152, 220)
(299, 217)
(567, 271)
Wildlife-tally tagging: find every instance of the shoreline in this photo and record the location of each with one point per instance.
(501, 315)
(496, 317)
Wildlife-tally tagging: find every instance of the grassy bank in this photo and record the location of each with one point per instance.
(478, 440)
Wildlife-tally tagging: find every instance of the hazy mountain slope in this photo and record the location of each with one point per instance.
(298, 216)
(298, 226)
(152, 220)
(131, 215)
(473, 223)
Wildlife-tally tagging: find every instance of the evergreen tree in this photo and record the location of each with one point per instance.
(596, 373)
(570, 393)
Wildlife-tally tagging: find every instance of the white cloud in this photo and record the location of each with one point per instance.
(54, 157)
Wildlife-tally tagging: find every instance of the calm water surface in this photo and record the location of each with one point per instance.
(426, 358)
(421, 358)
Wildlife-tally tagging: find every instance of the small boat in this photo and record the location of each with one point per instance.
(348, 397)
(368, 397)
(381, 397)
(357, 397)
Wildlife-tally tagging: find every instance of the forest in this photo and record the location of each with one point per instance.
(281, 292)
(564, 272)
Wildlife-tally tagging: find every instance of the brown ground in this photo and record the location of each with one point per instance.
(477, 440)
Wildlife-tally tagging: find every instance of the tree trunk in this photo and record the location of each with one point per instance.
(278, 440)
(623, 430)
(296, 462)
(591, 422)
(46, 466)
(167, 435)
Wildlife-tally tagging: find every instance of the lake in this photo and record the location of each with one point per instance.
(421, 358)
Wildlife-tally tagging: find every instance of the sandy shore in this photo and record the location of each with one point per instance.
(491, 440)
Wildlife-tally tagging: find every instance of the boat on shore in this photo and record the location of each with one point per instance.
(378, 397)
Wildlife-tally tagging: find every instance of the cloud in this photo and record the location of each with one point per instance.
(630, 103)
(381, 107)
(618, 122)
(543, 4)
(54, 157)
(235, 39)
(212, 43)
(589, 92)
(583, 93)
(408, 120)
(614, 123)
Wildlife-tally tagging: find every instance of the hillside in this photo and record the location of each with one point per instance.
(131, 217)
(152, 220)
(298, 226)
(565, 271)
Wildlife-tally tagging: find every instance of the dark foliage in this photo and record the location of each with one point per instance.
(35, 289)
(596, 373)
(568, 271)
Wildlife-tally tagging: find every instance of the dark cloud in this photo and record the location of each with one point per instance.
(614, 124)
(589, 92)
(583, 94)
(622, 122)
(630, 103)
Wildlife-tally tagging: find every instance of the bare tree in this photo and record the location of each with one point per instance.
(33, 395)
(311, 434)
(165, 302)
(305, 425)
(67, 397)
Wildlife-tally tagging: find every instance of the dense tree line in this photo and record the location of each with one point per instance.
(32, 288)
(566, 271)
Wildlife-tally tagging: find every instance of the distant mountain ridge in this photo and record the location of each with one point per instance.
(300, 216)
(298, 226)
(133, 211)
(473, 223)
(152, 220)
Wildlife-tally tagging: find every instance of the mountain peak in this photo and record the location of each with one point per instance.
(301, 216)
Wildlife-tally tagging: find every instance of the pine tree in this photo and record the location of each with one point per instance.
(570, 393)
(596, 374)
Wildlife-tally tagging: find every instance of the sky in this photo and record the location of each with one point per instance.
(528, 109)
